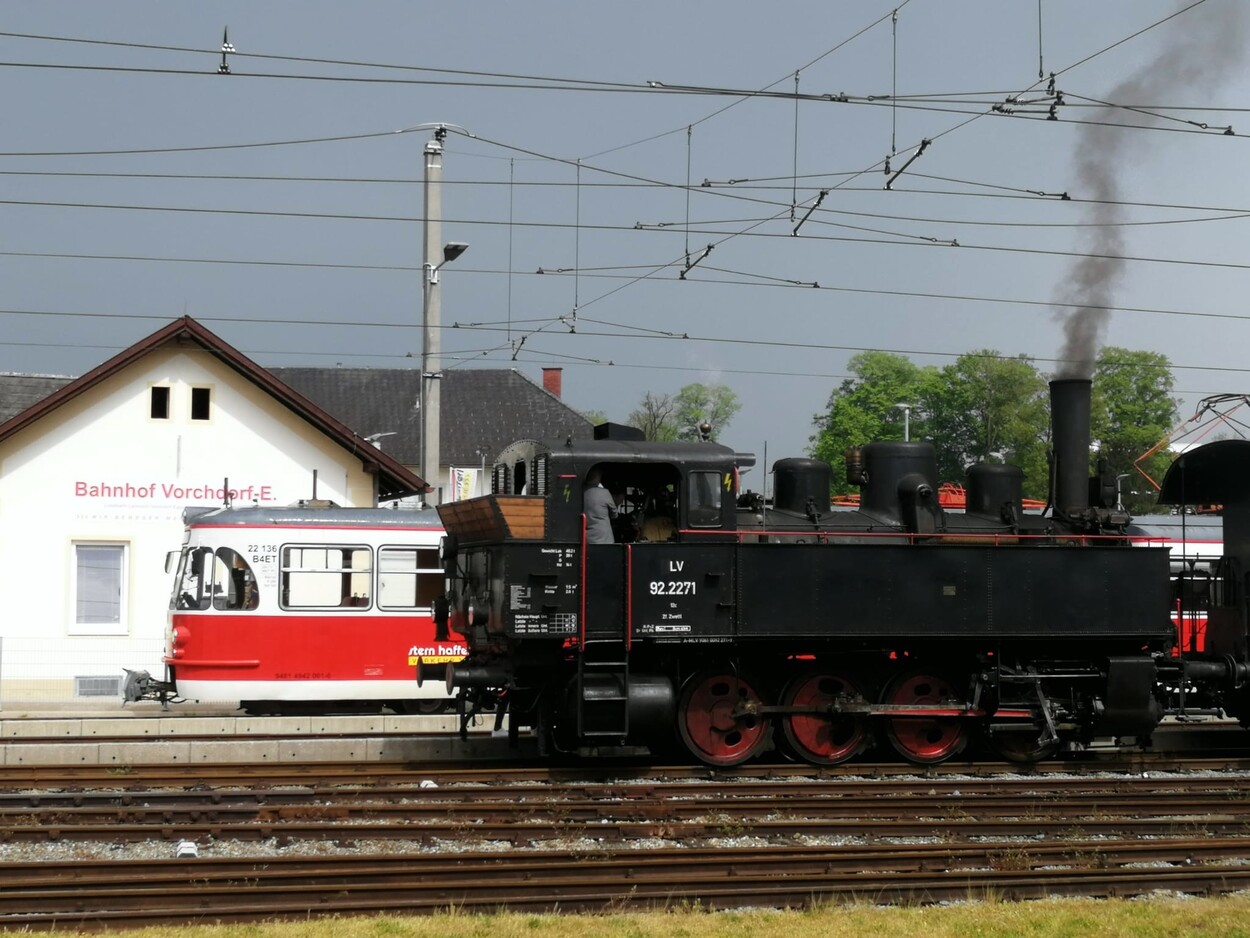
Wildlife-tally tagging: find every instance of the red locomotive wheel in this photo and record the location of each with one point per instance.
(718, 719)
(925, 740)
(823, 739)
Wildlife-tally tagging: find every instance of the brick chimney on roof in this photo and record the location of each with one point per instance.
(552, 378)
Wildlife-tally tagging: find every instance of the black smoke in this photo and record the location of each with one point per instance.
(1202, 48)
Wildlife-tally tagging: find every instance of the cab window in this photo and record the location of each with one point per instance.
(234, 584)
(193, 583)
(703, 499)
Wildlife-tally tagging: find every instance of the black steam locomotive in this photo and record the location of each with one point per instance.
(722, 623)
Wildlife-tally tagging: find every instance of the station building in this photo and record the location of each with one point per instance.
(95, 473)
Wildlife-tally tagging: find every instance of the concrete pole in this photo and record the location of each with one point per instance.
(430, 315)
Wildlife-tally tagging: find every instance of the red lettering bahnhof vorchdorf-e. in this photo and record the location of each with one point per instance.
(169, 490)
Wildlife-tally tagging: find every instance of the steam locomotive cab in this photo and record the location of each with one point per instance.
(720, 622)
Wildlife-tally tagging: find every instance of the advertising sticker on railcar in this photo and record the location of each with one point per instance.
(438, 653)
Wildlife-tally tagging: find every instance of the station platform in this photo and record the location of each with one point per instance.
(146, 734)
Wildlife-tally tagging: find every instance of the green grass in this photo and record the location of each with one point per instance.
(1154, 918)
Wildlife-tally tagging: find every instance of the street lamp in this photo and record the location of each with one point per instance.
(906, 409)
(430, 311)
(451, 250)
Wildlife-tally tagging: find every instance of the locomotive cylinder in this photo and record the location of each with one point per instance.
(650, 700)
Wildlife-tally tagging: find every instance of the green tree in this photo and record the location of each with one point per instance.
(987, 408)
(655, 417)
(1133, 409)
(698, 404)
(668, 417)
(865, 408)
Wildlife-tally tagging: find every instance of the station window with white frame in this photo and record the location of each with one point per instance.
(98, 594)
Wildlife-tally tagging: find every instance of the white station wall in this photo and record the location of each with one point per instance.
(101, 472)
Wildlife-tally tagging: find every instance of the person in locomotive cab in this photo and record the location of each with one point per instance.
(659, 517)
(600, 509)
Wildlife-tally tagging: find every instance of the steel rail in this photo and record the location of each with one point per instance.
(739, 789)
(22, 777)
(722, 887)
(70, 875)
(609, 831)
(657, 807)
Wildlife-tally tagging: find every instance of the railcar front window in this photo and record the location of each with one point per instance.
(234, 584)
(320, 576)
(193, 587)
(408, 577)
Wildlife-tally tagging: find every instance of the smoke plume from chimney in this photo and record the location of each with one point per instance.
(1202, 46)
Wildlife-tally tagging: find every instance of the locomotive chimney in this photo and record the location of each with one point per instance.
(1070, 440)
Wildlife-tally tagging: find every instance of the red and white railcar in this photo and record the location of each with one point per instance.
(308, 609)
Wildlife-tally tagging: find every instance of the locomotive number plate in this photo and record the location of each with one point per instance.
(673, 587)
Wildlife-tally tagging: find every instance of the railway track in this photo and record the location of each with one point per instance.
(531, 841)
(125, 895)
(145, 776)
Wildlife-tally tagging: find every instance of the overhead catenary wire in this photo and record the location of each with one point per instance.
(577, 266)
(899, 239)
(1194, 127)
(924, 144)
(473, 354)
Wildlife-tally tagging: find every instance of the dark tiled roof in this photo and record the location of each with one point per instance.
(491, 408)
(483, 409)
(17, 392)
(369, 400)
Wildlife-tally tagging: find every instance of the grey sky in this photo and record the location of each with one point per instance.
(327, 244)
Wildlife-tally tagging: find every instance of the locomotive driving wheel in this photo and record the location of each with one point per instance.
(1023, 741)
(823, 738)
(1024, 745)
(718, 718)
(926, 740)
